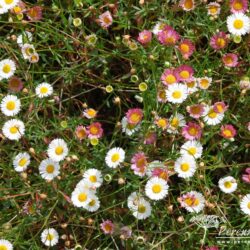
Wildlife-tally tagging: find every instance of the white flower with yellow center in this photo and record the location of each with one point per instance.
(115, 157)
(10, 105)
(27, 50)
(177, 93)
(21, 162)
(185, 166)
(192, 148)
(44, 89)
(13, 129)
(49, 237)
(5, 245)
(204, 82)
(81, 196)
(238, 24)
(49, 169)
(90, 113)
(245, 204)
(176, 121)
(26, 37)
(140, 208)
(93, 177)
(57, 150)
(156, 188)
(227, 184)
(211, 117)
(93, 205)
(128, 128)
(193, 202)
(7, 68)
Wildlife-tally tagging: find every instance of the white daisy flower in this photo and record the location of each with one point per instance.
(185, 166)
(176, 121)
(93, 205)
(227, 184)
(192, 148)
(13, 129)
(81, 197)
(27, 50)
(156, 188)
(90, 113)
(140, 208)
(8, 4)
(238, 24)
(245, 204)
(211, 117)
(49, 237)
(7, 68)
(21, 162)
(5, 245)
(44, 89)
(193, 201)
(10, 105)
(49, 169)
(177, 93)
(115, 157)
(93, 177)
(204, 82)
(158, 27)
(57, 150)
(26, 37)
(128, 128)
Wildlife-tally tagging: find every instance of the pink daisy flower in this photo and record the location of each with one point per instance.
(134, 116)
(220, 107)
(105, 19)
(191, 131)
(188, 196)
(161, 122)
(246, 176)
(227, 131)
(145, 37)
(230, 60)
(187, 5)
(186, 47)
(169, 77)
(237, 6)
(161, 173)
(35, 13)
(184, 73)
(139, 163)
(219, 40)
(81, 132)
(150, 138)
(213, 9)
(107, 227)
(95, 130)
(168, 36)
(196, 110)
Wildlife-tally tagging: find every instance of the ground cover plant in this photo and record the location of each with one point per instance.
(124, 124)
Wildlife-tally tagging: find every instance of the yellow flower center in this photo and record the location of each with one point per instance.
(135, 118)
(185, 167)
(22, 162)
(81, 133)
(177, 94)
(92, 203)
(169, 40)
(156, 188)
(175, 122)
(238, 24)
(213, 9)
(227, 133)
(50, 237)
(91, 112)
(248, 205)
(11, 105)
(228, 184)
(170, 79)
(188, 4)
(106, 20)
(220, 42)
(184, 74)
(50, 169)
(162, 123)
(212, 114)
(204, 83)
(191, 84)
(184, 48)
(193, 131)
(13, 130)
(238, 5)
(115, 157)
(6, 68)
(3, 247)
(192, 151)
(43, 90)
(192, 201)
(220, 108)
(141, 208)
(195, 110)
(92, 178)
(59, 150)
(108, 227)
(82, 197)
(94, 130)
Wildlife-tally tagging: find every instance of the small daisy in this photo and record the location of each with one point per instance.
(184, 73)
(7, 68)
(230, 60)
(34, 58)
(34, 13)
(245, 204)
(169, 77)
(57, 150)
(27, 50)
(204, 82)
(196, 110)
(156, 188)
(44, 89)
(115, 157)
(21, 162)
(93, 177)
(186, 47)
(220, 107)
(139, 163)
(191, 131)
(211, 117)
(227, 184)
(161, 96)
(134, 116)
(105, 19)
(193, 201)
(13, 129)
(81, 197)
(5, 245)
(219, 41)
(238, 24)
(128, 128)
(26, 37)
(80, 132)
(213, 9)
(49, 237)
(192, 148)
(161, 122)
(95, 130)
(145, 37)
(237, 6)
(168, 36)
(107, 227)
(187, 5)
(227, 131)
(49, 169)
(10, 105)
(176, 121)
(185, 166)
(90, 113)
(177, 93)
(93, 205)
(191, 85)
